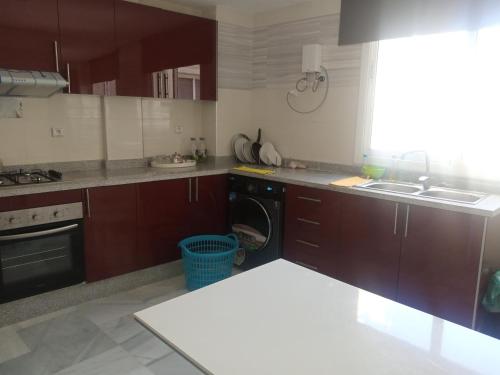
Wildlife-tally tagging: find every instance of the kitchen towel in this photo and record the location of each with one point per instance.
(350, 181)
(254, 170)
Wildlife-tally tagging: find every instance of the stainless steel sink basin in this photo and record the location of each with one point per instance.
(452, 195)
(437, 193)
(394, 187)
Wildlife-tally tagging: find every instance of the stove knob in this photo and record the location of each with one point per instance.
(13, 220)
(57, 214)
(35, 217)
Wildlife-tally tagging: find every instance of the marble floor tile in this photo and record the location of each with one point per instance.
(173, 364)
(122, 329)
(57, 344)
(11, 344)
(100, 337)
(112, 362)
(146, 347)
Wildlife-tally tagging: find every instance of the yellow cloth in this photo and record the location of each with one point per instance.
(254, 170)
(350, 181)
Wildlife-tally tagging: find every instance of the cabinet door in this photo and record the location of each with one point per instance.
(88, 50)
(311, 228)
(110, 232)
(440, 263)
(28, 30)
(370, 243)
(209, 207)
(163, 220)
(159, 50)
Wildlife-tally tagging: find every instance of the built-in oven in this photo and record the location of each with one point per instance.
(41, 249)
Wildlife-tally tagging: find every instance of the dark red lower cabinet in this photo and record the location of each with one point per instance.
(111, 231)
(440, 257)
(163, 220)
(370, 243)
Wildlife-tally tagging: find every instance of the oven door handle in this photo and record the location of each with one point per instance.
(23, 236)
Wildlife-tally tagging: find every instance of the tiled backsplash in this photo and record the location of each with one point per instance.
(95, 128)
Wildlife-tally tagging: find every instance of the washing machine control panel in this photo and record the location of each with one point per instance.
(256, 187)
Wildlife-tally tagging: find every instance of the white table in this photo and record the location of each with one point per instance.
(284, 319)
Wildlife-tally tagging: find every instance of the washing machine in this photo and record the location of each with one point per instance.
(256, 217)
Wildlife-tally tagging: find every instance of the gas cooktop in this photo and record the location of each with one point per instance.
(24, 177)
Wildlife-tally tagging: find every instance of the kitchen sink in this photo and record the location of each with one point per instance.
(452, 195)
(433, 193)
(394, 187)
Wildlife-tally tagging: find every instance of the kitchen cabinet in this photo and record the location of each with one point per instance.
(112, 47)
(440, 260)
(311, 228)
(423, 257)
(370, 242)
(163, 220)
(111, 231)
(28, 32)
(209, 207)
(169, 211)
(88, 48)
(159, 50)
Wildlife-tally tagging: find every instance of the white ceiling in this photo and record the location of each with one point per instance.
(253, 6)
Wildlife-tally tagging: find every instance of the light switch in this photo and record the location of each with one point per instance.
(57, 132)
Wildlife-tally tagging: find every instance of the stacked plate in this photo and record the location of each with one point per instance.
(242, 148)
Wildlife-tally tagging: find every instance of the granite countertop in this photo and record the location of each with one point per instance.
(489, 207)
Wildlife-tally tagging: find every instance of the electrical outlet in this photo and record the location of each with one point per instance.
(179, 129)
(57, 132)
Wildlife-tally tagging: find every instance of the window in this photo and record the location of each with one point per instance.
(439, 93)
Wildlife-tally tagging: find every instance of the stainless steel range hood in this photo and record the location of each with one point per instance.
(30, 83)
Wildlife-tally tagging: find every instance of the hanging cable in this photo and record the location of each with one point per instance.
(302, 85)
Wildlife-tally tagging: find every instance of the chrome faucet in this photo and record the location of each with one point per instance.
(425, 180)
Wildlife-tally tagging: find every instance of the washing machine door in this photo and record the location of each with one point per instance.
(251, 222)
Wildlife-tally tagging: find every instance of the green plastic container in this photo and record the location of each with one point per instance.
(372, 171)
(491, 300)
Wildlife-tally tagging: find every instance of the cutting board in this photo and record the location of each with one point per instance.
(350, 181)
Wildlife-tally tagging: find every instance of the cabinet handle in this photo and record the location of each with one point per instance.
(309, 199)
(302, 220)
(396, 209)
(87, 195)
(190, 189)
(69, 78)
(56, 53)
(196, 190)
(306, 265)
(407, 218)
(310, 244)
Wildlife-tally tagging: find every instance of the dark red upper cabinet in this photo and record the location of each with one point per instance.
(28, 32)
(164, 54)
(88, 53)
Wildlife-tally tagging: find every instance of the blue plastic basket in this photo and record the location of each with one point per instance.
(208, 259)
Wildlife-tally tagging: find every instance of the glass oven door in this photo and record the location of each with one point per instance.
(40, 258)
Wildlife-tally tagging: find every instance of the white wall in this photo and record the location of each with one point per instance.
(95, 128)
(327, 135)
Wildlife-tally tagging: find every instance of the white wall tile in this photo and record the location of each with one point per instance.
(123, 124)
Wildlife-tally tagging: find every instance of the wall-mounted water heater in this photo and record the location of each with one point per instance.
(315, 76)
(311, 58)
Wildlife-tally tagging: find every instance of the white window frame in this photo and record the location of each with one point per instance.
(366, 101)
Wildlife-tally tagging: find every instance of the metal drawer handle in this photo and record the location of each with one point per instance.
(302, 220)
(407, 218)
(306, 265)
(396, 219)
(315, 200)
(310, 244)
(23, 236)
(56, 53)
(190, 188)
